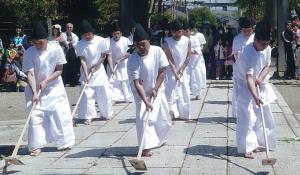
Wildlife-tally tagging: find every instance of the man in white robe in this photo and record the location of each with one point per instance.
(147, 71)
(178, 49)
(254, 70)
(239, 42)
(118, 65)
(201, 63)
(51, 119)
(91, 49)
(194, 67)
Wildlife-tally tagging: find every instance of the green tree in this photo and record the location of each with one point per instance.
(29, 10)
(200, 15)
(107, 9)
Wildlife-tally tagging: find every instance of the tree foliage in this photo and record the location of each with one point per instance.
(107, 9)
(28, 10)
(201, 15)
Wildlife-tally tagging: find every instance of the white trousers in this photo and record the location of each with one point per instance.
(47, 126)
(99, 94)
(178, 95)
(249, 131)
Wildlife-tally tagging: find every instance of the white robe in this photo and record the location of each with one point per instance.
(98, 87)
(146, 70)
(178, 93)
(51, 120)
(239, 42)
(119, 82)
(202, 42)
(249, 132)
(195, 68)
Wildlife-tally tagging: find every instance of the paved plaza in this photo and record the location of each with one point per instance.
(205, 145)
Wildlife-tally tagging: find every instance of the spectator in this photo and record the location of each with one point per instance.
(11, 52)
(70, 74)
(20, 39)
(229, 60)
(16, 66)
(220, 56)
(1, 44)
(297, 60)
(57, 38)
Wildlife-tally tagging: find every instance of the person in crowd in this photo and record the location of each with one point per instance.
(229, 60)
(288, 37)
(51, 118)
(57, 38)
(178, 50)
(132, 30)
(20, 39)
(92, 50)
(147, 71)
(220, 57)
(254, 66)
(16, 66)
(72, 68)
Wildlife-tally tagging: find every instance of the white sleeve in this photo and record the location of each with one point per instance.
(60, 56)
(133, 68)
(79, 49)
(28, 62)
(163, 61)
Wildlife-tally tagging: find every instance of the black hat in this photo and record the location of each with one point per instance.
(263, 31)
(86, 27)
(192, 24)
(186, 26)
(246, 22)
(115, 27)
(140, 33)
(39, 31)
(176, 25)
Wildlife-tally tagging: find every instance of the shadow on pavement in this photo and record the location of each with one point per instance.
(118, 153)
(218, 102)
(217, 152)
(217, 120)
(131, 120)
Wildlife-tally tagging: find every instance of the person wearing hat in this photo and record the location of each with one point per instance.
(202, 42)
(92, 52)
(132, 30)
(245, 37)
(254, 65)
(194, 67)
(118, 65)
(178, 50)
(51, 120)
(147, 71)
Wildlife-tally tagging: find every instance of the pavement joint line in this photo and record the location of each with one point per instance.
(287, 119)
(194, 130)
(227, 131)
(125, 106)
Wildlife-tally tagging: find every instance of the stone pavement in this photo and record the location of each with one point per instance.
(203, 146)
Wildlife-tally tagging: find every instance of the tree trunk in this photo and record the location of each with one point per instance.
(150, 12)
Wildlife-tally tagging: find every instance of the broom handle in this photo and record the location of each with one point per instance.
(81, 94)
(15, 151)
(263, 124)
(115, 68)
(143, 136)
